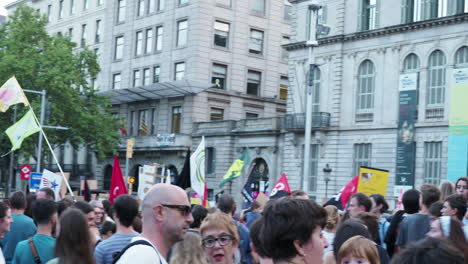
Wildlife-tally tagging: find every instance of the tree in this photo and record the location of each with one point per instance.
(53, 63)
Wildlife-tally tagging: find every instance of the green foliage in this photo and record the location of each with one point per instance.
(53, 63)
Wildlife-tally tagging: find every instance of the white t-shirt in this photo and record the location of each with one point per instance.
(2, 258)
(142, 254)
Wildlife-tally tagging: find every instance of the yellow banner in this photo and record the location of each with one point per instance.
(372, 181)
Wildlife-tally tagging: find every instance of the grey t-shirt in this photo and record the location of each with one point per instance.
(413, 227)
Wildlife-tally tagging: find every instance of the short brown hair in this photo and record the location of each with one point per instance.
(430, 194)
(359, 246)
(296, 193)
(223, 221)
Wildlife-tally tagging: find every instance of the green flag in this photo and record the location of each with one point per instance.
(236, 168)
(22, 129)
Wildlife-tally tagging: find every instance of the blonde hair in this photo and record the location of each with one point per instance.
(333, 216)
(222, 221)
(446, 189)
(188, 250)
(361, 247)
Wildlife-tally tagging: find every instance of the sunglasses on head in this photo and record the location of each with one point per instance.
(184, 209)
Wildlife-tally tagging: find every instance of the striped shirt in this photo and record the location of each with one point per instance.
(105, 250)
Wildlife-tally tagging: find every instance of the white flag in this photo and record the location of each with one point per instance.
(53, 181)
(146, 178)
(197, 169)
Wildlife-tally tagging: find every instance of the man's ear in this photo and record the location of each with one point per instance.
(299, 249)
(158, 212)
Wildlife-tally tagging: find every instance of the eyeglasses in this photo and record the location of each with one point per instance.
(184, 209)
(211, 241)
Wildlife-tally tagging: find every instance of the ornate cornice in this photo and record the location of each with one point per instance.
(397, 29)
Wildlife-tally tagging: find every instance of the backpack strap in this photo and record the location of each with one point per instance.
(119, 254)
(37, 259)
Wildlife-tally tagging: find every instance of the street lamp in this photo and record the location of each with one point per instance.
(327, 170)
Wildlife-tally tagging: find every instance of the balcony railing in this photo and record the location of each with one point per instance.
(157, 141)
(320, 120)
(75, 170)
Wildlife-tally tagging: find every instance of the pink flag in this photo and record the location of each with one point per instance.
(10, 94)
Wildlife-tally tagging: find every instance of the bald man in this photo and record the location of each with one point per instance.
(166, 218)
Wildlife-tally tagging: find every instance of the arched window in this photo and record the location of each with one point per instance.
(461, 57)
(411, 63)
(365, 91)
(316, 91)
(436, 80)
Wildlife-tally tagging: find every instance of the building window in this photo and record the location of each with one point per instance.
(72, 7)
(418, 10)
(120, 10)
(151, 6)
(136, 78)
(99, 2)
(368, 16)
(153, 121)
(287, 12)
(159, 38)
(216, 114)
(146, 76)
(133, 126)
(142, 119)
(176, 119)
(149, 41)
(221, 35)
(313, 161)
(224, 2)
(98, 31)
(251, 115)
(139, 43)
(436, 80)
(70, 33)
(284, 52)
(49, 10)
(432, 162)
(258, 7)
(156, 74)
(182, 33)
(210, 160)
(116, 80)
(316, 91)
(254, 79)
(141, 8)
(83, 35)
(60, 14)
(284, 85)
(365, 91)
(183, 2)
(160, 5)
(411, 63)
(119, 43)
(219, 76)
(361, 157)
(256, 42)
(461, 57)
(179, 71)
(85, 4)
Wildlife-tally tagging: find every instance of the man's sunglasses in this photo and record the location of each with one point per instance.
(184, 209)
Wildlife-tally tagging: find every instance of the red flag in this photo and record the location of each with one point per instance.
(118, 186)
(205, 197)
(348, 190)
(281, 188)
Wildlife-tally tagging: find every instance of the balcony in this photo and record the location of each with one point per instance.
(320, 120)
(258, 124)
(214, 127)
(75, 170)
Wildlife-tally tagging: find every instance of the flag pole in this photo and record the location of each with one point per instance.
(53, 155)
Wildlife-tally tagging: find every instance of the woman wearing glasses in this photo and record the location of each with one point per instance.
(219, 238)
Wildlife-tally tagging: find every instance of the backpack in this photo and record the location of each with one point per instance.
(119, 254)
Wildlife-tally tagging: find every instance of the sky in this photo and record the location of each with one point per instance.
(3, 3)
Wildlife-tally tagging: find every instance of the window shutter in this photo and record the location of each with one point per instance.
(407, 10)
(324, 15)
(361, 15)
(377, 14)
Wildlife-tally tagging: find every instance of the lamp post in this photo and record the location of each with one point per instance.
(326, 171)
(311, 43)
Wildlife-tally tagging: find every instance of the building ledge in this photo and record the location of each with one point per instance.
(396, 29)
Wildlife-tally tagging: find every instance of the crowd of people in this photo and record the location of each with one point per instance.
(166, 228)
